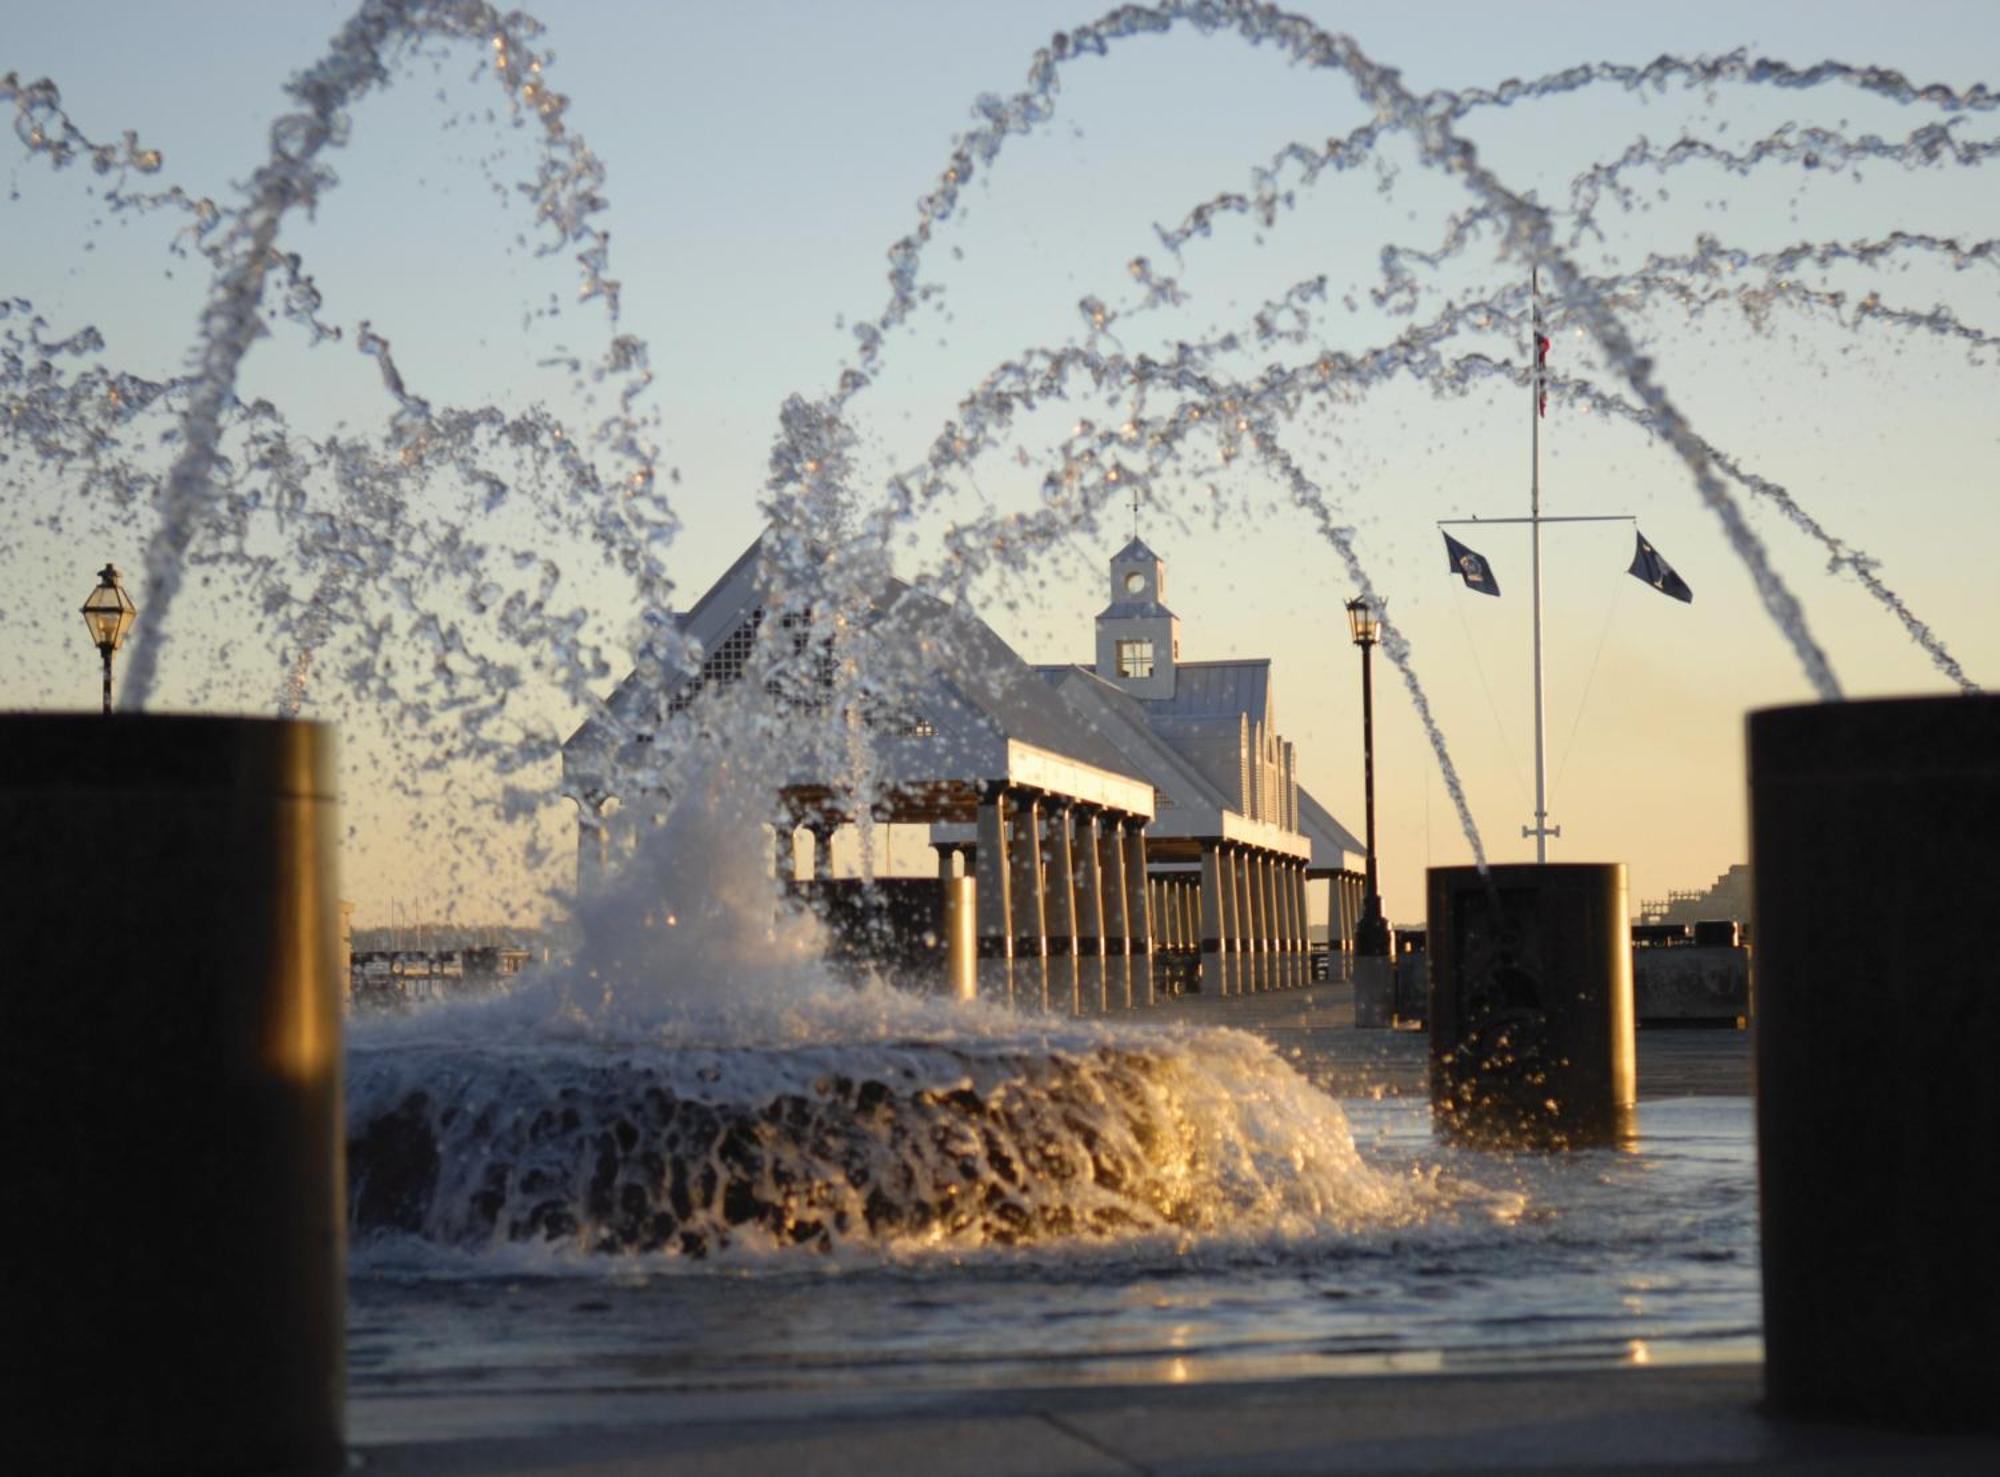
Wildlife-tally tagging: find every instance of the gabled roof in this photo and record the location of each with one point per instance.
(1118, 717)
(974, 663)
(708, 621)
(1197, 809)
(979, 700)
(1136, 550)
(1330, 839)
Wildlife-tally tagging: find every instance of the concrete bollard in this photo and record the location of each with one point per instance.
(1531, 1006)
(1375, 990)
(1873, 829)
(961, 938)
(1413, 988)
(170, 1060)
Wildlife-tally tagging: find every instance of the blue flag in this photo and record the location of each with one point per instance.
(1647, 565)
(1471, 567)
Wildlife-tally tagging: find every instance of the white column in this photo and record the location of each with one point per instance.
(1213, 947)
(1065, 992)
(1274, 927)
(1031, 916)
(1091, 911)
(1232, 921)
(1260, 918)
(994, 899)
(1117, 914)
(1301, 926)
(1139, 919)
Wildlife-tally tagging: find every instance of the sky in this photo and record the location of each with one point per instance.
(760, 159)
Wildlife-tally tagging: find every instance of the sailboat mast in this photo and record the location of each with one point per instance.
(1541, 828)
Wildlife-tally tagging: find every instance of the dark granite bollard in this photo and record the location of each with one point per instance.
(1531, 1005)
(170, 1077)
(1874, 828)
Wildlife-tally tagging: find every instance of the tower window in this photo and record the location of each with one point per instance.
(1135, 659)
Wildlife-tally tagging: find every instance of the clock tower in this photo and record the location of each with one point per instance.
(1138, 638)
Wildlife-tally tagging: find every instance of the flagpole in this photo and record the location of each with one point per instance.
(1470, 566)
(1541, 827)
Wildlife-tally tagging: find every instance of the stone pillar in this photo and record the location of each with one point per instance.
(170, 1081)
(1091, 926)
(1117, 918)
(1531, 1024)
(1139, 920)
(784, 853)
(1031, 908)
(1065, 987)
(1213, 979)
(1871, 842)
(961, 938)
(995, 898)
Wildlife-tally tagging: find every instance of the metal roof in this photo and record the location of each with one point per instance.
(1218, 690)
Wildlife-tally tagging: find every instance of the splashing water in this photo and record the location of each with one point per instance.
(932, 1131)
(694, 1083)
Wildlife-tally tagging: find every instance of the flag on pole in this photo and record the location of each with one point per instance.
(1471, 567)
(1542, 346)
(1647, 565)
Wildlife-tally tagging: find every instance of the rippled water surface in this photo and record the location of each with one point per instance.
(1609, 1257)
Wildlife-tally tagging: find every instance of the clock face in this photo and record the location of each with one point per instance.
(1135, 582)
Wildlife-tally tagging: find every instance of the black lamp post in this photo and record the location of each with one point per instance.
(109, 613)
(1371, 932)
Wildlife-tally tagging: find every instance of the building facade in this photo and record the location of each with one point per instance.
(1138, 811)
(1234, 834)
